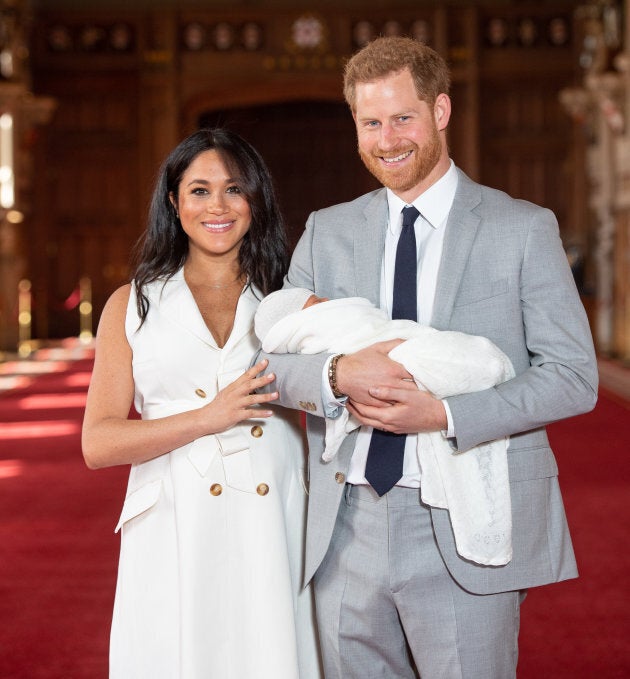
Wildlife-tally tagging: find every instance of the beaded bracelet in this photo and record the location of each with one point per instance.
(332, 376)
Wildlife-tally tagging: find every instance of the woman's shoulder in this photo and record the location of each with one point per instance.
(116, 305)
(120, 296)
(111, 325)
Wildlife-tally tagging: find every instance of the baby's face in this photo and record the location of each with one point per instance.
(314, 299)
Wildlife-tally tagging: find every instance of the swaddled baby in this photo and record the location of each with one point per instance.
(473, 485)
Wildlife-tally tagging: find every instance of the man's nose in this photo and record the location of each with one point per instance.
(389, 137)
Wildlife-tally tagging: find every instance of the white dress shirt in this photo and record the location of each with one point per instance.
(434, 206)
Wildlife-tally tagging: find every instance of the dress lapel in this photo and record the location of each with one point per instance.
(244, 320)
(176, 302)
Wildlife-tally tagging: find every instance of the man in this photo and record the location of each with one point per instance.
(394, 598)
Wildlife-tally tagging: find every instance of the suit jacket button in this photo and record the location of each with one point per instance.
(340, 478)
(216, 489)
(256, 431)
(201, 393)
(262, 489)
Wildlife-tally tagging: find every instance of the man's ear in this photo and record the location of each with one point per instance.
(442, 111)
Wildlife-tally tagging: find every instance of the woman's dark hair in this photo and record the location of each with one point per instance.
(163, 248)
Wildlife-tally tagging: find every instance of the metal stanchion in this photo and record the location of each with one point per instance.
(85, 311)
(25, 318)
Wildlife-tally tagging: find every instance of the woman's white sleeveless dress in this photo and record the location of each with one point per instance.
(209, 580)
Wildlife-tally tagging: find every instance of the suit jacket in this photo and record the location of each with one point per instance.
(504, 275)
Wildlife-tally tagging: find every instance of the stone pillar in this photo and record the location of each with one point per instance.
(20, 113)
(602, 105)
(25, 112)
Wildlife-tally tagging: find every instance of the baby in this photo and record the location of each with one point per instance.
(472, 485)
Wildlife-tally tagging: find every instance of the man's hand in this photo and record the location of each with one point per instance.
(382, 394)
(359, 372)
(402, 411)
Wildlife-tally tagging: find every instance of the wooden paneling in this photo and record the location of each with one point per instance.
(525, 138)
(90, 204)
(311, 151)
(526, 56)
(124, 103)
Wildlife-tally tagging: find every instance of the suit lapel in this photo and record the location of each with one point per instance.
(461, 229)
(369, 243)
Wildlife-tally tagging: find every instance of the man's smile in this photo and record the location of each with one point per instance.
(398, 158)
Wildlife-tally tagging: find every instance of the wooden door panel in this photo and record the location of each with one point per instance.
(310, 148)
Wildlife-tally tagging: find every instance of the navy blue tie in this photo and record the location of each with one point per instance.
(387, 450)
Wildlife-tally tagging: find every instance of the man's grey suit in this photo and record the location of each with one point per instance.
(503, 275)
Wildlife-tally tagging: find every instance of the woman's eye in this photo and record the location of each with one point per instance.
(233, 189)
(199, 191)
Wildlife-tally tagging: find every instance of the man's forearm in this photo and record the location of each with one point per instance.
(298, 380)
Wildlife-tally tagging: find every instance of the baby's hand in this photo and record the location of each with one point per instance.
(314, 299)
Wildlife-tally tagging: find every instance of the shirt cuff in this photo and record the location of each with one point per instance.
(450, 431)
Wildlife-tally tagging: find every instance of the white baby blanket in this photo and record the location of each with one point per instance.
(472, 485)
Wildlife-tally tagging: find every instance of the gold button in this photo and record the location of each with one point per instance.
(201, 393)
(257, 431)
(216, 489)
(340, 478)
(262, 489)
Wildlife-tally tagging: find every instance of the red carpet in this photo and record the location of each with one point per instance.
(580, 628)
(58, 553)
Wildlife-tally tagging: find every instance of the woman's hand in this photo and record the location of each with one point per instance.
(111, 438)
(239, 400)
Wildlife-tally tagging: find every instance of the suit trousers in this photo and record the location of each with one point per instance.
(388, 608)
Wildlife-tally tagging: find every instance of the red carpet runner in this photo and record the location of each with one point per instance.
(58, 553)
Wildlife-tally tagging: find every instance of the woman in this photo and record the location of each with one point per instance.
(212, 525)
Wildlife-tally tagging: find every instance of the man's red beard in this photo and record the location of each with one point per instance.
(416, 169)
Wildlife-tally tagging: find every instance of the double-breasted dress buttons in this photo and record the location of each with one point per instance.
(256, 431)
(216, 488)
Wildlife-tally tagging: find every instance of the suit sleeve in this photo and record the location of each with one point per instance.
(299, 376)
(561, 379)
